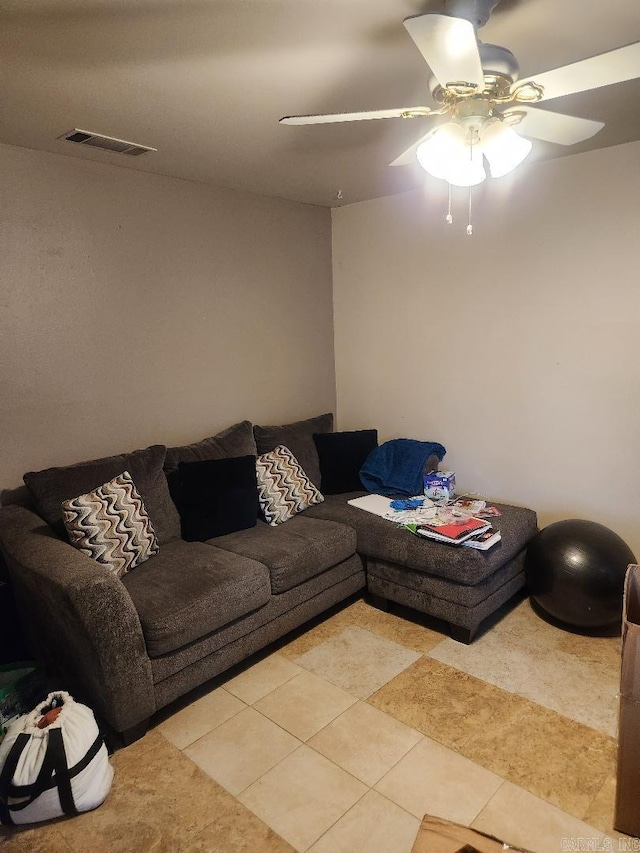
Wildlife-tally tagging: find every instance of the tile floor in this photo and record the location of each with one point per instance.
(342, 738)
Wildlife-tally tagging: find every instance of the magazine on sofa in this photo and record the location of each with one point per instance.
(453, 534)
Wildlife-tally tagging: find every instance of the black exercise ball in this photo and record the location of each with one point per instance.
(575, 572)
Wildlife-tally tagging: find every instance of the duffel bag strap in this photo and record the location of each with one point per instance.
(25, 793)
(63, 774)
(6, 774)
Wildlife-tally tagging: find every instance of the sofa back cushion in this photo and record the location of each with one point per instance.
(298, 437)
(49, 488)
(236, 440)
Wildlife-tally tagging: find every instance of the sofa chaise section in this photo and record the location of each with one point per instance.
(459, 585)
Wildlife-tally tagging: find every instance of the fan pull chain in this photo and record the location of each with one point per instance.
(469, 225)
(449, 218)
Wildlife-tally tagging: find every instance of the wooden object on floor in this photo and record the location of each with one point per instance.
(441, 836)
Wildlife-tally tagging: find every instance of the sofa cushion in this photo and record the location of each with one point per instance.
(111, 525)
(190, 589)
(236, 440)
(298, 437)
(293, 552)
(341, 456)
(217, 496)
(49, 488)
(385, 541)
(283, 487)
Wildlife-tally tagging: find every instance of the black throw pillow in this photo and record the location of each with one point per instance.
(342, 455)
(216, 496)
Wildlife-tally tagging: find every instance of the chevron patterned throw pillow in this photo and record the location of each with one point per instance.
(283, 488)
(111, 525)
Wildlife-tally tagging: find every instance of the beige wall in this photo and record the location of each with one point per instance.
(137, 309)
(517, 348)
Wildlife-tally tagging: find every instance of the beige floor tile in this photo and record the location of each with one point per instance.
(237, 830)
(579, 688)
(155, 804)
(373, 825)
(520, 818)
(303, 796)
(524, 626)
(444, 703)
(409, 634)
(324, 630)
(365, 742)
(553, 757)
(261, 678)
(394, 627)
(432, 779)
(599, 650)
(357, 660)
(239, 751)
(203, 715)
(600, 814)
(305, 704)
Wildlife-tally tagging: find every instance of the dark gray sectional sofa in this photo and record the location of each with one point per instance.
(131, 646)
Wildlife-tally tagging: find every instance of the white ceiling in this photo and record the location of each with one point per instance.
(205, 82)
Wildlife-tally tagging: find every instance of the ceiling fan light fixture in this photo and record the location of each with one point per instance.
(454, 155)
(503, 148)
(468, 169)
(438, 153)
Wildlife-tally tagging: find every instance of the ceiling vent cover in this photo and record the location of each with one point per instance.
(107, 143)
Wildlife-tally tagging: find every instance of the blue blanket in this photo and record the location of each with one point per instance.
(397, 466)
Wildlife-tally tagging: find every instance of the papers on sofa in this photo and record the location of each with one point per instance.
(382, 506)
(377, 504)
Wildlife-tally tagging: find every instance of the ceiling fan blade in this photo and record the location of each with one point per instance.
(330, 118)
(555, 127)
(449, 46)
(408, 157)
(616, 66)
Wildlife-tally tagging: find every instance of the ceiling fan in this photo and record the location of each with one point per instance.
(490, 112)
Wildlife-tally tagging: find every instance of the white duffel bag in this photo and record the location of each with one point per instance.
(53, 762)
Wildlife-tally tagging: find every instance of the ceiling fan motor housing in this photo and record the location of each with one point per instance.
(498, 60)
(498, 64)
(476, 11)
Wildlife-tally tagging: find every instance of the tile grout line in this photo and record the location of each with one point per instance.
(337, 820)
(208, 732)
(237, 796)
(286, 681)
(486, 805)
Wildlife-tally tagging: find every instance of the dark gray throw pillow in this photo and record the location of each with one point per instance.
(298, 437)
(49, 488)
(342, 455)
(216, 497)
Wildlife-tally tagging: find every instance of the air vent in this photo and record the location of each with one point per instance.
(107, 143)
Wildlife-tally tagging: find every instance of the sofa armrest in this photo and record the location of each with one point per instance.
(80, 618)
